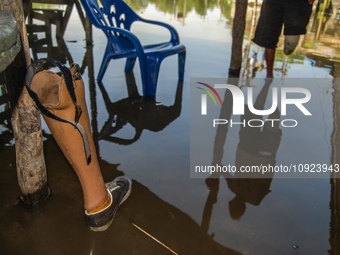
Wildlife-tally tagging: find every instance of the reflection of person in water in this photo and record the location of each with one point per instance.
(257, 146)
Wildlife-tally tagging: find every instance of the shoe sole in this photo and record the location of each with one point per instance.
(107, 225)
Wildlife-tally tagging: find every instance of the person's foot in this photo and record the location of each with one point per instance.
(291, 41)
(101, 218)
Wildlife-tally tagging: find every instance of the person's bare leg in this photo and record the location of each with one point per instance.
(269, 55)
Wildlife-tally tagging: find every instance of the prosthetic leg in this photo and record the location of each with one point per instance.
(62, 103)
(291, 41)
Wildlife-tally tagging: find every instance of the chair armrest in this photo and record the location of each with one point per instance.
(174, 35)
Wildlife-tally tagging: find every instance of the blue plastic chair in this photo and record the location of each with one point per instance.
(115, 18)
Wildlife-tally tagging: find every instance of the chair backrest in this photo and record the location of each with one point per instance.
(111, 13)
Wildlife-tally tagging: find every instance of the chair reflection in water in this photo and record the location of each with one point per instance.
(141, 113)
(115, 18)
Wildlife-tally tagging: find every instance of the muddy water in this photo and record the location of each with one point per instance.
(149, 141)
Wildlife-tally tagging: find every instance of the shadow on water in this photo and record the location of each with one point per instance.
(58, 226)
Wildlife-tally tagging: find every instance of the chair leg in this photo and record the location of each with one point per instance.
(131, 85)
(130, 63)
(153, 64)
(104, 65)
(181, 64)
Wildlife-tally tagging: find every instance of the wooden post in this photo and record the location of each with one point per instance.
(239, 24)
(335, 176)
(30, 160)
(325, 2)
(88, 31)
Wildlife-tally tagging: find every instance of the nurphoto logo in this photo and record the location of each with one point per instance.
(288, 96)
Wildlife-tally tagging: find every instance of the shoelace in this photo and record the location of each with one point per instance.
(112, 186)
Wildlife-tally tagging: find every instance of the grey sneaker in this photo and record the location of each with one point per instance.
(119, 190)
(291, 41)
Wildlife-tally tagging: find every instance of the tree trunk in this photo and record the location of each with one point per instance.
(26, 123)
(239, 24)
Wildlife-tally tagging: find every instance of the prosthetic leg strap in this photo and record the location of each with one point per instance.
(35, 68)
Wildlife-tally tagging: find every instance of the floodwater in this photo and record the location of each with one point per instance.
(150, 143)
